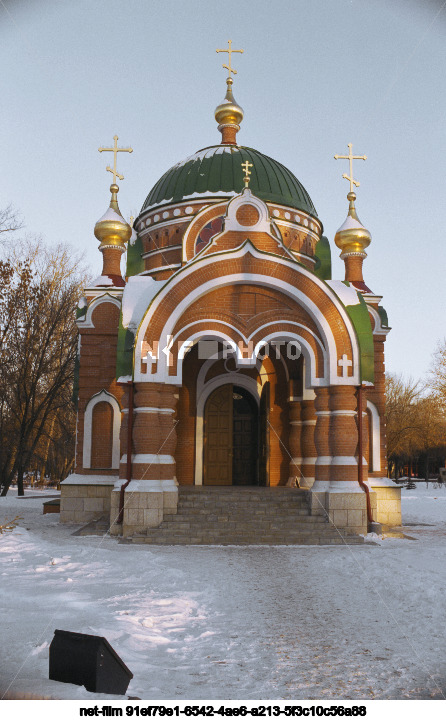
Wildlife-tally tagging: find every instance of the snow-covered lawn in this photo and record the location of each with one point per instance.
(231, 622)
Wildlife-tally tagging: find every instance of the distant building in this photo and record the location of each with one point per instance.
(228, 355)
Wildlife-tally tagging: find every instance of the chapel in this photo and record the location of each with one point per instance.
(227, 359)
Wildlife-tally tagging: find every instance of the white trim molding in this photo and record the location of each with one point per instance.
(88, 427)
(375, 450)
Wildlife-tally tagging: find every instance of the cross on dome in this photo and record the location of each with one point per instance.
(350, 157)
(229, 67)
(245, 166)
(115, 150)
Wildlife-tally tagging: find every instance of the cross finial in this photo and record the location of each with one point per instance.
(245, 166)
(115, 150)
(350, 157)
(229, 67)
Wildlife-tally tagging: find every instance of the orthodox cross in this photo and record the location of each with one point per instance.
(345, 363)
(351, 158)
(115, 150)
(245, 166)
(228, 67)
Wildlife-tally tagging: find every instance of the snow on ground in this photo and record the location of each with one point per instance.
(252, 622)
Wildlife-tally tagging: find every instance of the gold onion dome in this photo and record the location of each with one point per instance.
(229, 112)
(352, 237)
(112, 229)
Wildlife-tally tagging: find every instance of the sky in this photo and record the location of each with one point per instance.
(313, 77)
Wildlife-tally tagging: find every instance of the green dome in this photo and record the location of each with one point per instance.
(217, 172)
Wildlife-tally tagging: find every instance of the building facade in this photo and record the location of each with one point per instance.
(228, 355)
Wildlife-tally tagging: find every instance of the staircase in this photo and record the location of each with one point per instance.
(229, 515)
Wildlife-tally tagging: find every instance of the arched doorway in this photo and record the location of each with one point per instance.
(230, 438)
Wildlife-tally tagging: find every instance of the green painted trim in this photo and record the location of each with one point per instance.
(135, 262)
(360, 317)
(124, 350)
(323, 256)
(80, 312)
(383, 316)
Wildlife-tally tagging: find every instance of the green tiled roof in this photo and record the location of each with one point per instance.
(217, 171)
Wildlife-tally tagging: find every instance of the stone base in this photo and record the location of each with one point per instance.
(388, 501)
(145, 504)
(85, 498)
(345, 504)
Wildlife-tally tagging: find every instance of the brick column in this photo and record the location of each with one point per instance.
(308, 420)
(154, 434)
(346, 500)
(152, 491)
(343, 435)
(295, 442)
(322, 465)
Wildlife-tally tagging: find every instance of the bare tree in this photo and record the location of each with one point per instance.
(38, 349)
(438, 371)
(10, 221)
(401, 422)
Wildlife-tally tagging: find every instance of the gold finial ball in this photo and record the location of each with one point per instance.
(114, 188)
(352, 237)
(112, 230)
(229, 112)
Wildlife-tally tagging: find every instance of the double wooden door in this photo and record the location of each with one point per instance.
(231, 438)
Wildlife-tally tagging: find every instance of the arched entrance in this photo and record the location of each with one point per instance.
(230, 440)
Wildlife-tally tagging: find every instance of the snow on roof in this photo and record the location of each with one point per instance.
(111, 214)
(138, 294)
(349, 223)
(205, 194)
(346, 293)
(133, 237)
(213, 149)
(101, 280)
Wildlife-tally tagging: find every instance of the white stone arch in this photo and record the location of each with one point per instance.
(375, 450)
(88, 427)
(307, 351)
(378, 328)
(255, 279)
(237, 379)
(106, 298)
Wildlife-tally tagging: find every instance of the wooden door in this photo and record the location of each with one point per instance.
(264, 436)
(244, 440)
(218, 437)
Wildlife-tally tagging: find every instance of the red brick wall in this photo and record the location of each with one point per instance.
(97, 369)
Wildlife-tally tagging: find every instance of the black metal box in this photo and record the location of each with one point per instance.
(88, 661)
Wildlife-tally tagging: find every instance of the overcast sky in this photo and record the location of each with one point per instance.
(313, 77)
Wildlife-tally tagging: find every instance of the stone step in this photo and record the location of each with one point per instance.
(242, 514)
(225, 515)
(188, 539)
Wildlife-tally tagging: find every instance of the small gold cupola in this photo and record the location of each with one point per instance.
(112, 231)
(229, 114)
(352, 237)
